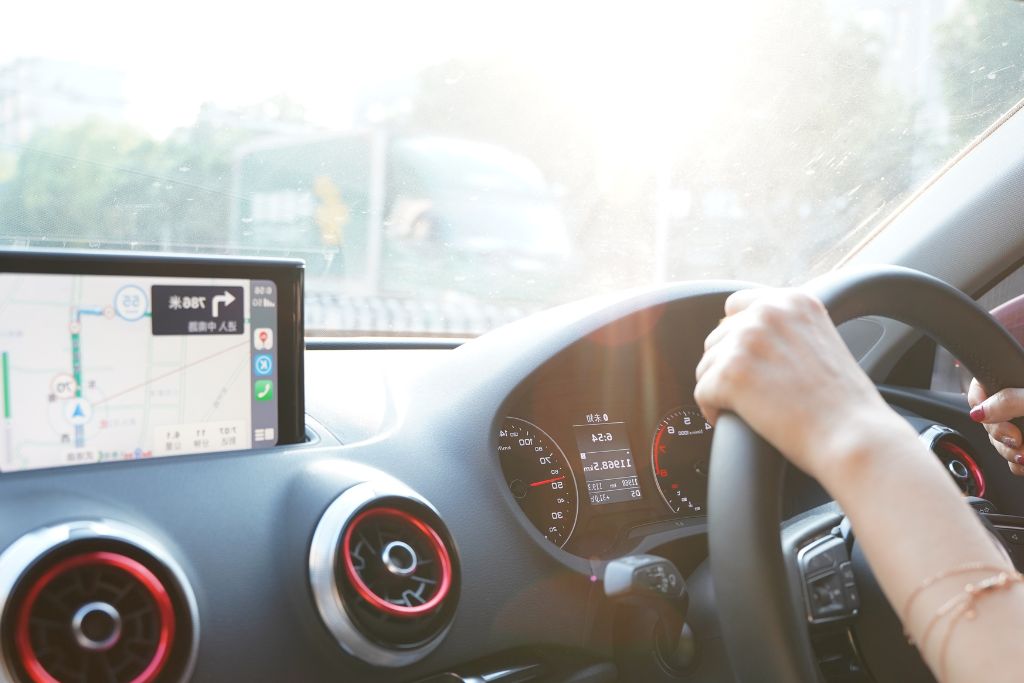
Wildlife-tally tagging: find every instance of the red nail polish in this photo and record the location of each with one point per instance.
(1019, 459)
(978, 413)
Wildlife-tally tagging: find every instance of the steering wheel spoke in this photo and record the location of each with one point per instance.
(829, 589)
(817, 548)
(1009, 529)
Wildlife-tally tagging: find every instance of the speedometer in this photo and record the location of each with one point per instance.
(679, 455)
(539, 478)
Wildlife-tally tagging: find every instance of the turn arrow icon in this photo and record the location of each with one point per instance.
(227, 298)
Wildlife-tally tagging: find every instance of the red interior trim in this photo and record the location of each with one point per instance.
(657, 453)
(137, 571)
(444, 559)
(976, 475)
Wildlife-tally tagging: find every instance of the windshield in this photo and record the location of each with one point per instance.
(445, 167)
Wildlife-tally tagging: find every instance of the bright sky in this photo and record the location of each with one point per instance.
(178, 55)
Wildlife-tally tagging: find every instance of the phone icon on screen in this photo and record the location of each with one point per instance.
(263, 389)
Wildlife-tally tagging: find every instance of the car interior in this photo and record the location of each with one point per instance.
(543, 501)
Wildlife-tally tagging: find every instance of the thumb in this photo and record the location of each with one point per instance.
(1000, 407)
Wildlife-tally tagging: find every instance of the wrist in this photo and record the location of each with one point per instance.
(867, 446)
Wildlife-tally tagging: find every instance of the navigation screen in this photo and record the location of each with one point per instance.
(607, 460)
(98, 368)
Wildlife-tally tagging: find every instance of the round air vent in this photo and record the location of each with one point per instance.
(94, 601)
(955, 453)
(384, 574)
(397, 564)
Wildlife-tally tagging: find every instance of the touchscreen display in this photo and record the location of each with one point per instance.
(97, 368)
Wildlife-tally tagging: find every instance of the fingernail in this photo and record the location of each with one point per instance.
(1019, 459)
(1009, 442)
(978, 413)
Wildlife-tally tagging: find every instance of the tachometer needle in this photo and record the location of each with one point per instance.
(547, 481)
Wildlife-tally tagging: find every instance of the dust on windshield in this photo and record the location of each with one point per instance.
(446, 167)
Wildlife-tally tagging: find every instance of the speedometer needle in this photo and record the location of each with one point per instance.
(548, 481)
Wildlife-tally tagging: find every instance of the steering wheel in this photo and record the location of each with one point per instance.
(758, 588)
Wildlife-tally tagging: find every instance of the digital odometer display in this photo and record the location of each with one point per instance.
(607, 460)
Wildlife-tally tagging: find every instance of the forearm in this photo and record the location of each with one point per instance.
(888, 481)
(779, 362)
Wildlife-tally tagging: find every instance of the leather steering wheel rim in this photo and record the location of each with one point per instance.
(764, 632)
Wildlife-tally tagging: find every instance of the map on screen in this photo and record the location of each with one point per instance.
(99, 368)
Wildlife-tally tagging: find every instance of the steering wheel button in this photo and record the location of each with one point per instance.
(827, 597)
(846, 572)
(852, 598)
(823, 557)
(817, 562)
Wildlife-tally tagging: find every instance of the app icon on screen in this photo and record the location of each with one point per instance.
(263, 434)
(263, 389)
(263, 339)
(263, 364)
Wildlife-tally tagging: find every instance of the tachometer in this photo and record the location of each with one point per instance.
(539, 478)
(679, 456)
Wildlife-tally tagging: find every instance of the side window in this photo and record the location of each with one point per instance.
(1006, 302)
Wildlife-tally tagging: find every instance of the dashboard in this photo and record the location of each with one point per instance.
(434, 515)
(595, 463)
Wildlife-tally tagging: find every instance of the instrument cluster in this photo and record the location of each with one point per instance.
(592, 472)
(602, 447)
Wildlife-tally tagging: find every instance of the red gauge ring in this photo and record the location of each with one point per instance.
(380, 603)
(957, 451)
(137, 571)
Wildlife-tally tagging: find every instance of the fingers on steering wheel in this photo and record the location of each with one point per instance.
(707, 399)
(1010, 455)
(705, 363)
(976, 393)
(717, 334)
(1006, 437)
(710, 392)
(1004, 433)
(1000, 407)
(740, 300)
